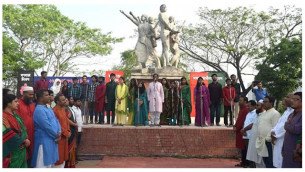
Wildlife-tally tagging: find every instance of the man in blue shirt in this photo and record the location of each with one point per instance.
(259, 92)
(47, 133)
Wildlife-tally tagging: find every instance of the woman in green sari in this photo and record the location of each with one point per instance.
(163, 115)
(131, 101)
(141, 105)
(13, 123)
(186, 106)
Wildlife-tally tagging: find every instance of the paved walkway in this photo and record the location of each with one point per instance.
(157, 162)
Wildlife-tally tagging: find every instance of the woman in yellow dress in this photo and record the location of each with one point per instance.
(121, 93)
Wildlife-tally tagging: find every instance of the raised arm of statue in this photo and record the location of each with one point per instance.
(136, 22)
(135, 18)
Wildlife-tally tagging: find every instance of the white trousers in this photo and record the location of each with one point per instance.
(155, 118)
(260, 165)
(60, 165)
(236, 110)
(40, 163)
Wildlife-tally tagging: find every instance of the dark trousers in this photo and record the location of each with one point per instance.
(244, 155)
(112, 118)
(228, 108)
(92, 111)
(269, 160)
(79, 137)
(215, 107)
(101, 116)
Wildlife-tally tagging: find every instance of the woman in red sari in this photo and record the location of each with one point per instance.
(15, 139)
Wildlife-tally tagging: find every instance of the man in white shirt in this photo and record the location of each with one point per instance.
(79, 120)
(252, 151)
(278, 132)
(268, 121)
(246, 131)
(155, 97)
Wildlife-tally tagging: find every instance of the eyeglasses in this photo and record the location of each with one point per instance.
(295, 99)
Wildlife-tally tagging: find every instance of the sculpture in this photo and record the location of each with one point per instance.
(145, 52)
(145, 48)
(174, 39)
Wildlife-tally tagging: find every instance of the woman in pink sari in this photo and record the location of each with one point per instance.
(202, 103)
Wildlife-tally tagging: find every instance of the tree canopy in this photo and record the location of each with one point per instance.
(281, 70)
(49, 36)
(237, 37)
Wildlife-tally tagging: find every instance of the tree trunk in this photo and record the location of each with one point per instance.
(241, 82)
(57, 68)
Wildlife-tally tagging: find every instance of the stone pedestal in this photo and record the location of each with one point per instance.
(169, 72)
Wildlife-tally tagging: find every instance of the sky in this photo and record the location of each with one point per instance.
(105, 15)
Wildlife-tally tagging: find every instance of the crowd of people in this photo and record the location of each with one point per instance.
(43, 128)
(265, 137)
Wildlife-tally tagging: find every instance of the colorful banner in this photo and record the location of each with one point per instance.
(25, 78)
(70, 81)
(118, 74)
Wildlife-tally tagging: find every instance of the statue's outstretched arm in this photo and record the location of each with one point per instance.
(131, 19)
(135, 18)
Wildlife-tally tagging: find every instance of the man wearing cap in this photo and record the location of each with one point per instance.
(25, 111)
(252, 154)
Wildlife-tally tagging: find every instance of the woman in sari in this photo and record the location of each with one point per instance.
(72, 139)
(163, 115)
(121, 93)
(184, 109)
(15, 139)
(141, 105)
(131, 100)
(202, 103)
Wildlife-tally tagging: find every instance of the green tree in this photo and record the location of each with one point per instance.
(15, 60)
(237, 36)
(281, 70)
(54, 38)
(128, 62)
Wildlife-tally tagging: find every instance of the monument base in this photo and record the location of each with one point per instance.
(187, 141)
(168, 72)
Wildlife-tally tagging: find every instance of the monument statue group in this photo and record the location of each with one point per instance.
(145, 52)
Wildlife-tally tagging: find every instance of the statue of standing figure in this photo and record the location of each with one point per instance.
(146, 55)
(173, 42)
(166, 30)
(145, 48)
